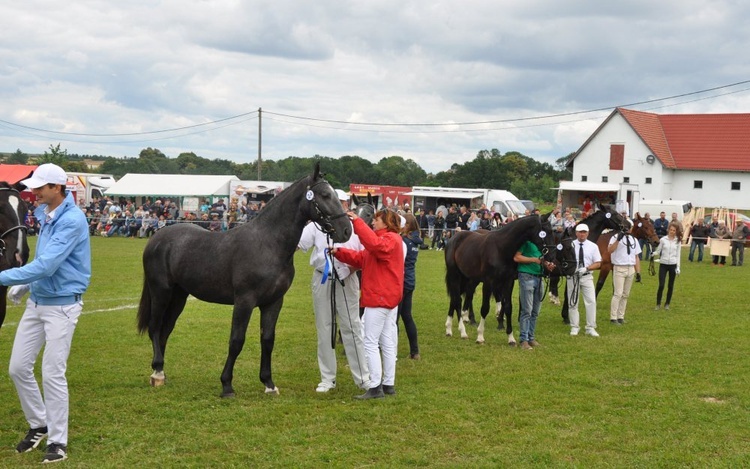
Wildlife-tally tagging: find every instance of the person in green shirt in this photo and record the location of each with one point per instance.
(530, 269)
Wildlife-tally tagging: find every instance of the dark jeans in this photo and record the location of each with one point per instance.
(404, 312)
(699, 245)
(738, 247)
(437, 238)
(663, 269)
(717, 259)
(646, 248)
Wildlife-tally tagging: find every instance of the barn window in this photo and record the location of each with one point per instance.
(697, 184)
(626, 180)
(648, 180)
(605, 179)
(584, 178)
(735, 186)
(616, 157)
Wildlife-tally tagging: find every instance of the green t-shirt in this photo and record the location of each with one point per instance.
(529, 249)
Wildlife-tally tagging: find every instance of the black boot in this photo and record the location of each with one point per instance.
(372, 393)
(389, 390)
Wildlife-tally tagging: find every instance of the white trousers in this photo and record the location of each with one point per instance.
(622, 277)
(588, 291)
(51, 327)
(349, 323)
(381, 334)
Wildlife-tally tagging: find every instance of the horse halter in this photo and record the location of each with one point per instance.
(3, 246)
(324, 221)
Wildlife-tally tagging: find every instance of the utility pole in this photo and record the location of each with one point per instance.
(260, 161)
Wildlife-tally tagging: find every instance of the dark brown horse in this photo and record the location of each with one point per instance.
(642, 228)
(14, 250)
(185, 259)
(472, 258)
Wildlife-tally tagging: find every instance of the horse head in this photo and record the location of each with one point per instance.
(364, 210)
(644, 228)
(546, 238)
(326, 209)
(565, 257)
(14, 250)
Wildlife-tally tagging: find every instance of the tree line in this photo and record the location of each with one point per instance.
(524, 176)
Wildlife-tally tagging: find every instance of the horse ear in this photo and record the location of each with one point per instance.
(316, 171)
(369, 198)
(355, 200)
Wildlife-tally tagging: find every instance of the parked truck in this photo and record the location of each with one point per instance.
(496, 200)
(623, 197)
(86, 186)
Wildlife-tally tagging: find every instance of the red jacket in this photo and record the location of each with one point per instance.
(382, 265)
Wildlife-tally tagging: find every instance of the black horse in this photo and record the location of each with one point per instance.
(605, 219)
(487, 257)
(251, 265)
(14, 249)
(364, 209)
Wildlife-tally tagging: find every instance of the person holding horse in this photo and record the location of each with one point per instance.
(588, 259)
(626, 265)
(669, 263)
(410, 235)
(531, 290)
(57, 278)
(382, 264)
(335, 284)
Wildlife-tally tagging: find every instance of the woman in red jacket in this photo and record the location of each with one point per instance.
(382, 265)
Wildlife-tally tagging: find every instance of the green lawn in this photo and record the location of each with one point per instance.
(668, 389)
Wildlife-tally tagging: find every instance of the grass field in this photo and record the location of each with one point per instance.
(668, 389)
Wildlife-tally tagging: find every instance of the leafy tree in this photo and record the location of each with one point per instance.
(18, 157)
(55, 155)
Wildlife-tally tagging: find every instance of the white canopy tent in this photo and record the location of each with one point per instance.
(174, 186)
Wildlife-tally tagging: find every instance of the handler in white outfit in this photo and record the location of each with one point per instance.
(345, 283)
(588, 259)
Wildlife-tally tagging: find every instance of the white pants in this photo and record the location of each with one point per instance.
(622, 277)
(51, 327)
(588, 291)
(381, 334)
(347, 309)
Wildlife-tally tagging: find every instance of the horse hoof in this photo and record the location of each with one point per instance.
(274, 391)
(157, 378)
(449, 334)
(511, 344)
(227, 395)
(480, 342)
(464, 337)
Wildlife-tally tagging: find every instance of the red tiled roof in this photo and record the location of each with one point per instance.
(718, 142)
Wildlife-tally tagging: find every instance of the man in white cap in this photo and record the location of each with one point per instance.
(335, 282)
(57, 278)
(588, 259)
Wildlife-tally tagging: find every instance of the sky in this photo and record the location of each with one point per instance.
(432, 81)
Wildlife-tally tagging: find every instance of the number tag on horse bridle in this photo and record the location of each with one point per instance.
(559, 247)
(542, 234)
(609, 215)
(640, 225)
(310, 195)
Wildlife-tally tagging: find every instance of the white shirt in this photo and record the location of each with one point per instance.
(591, 253)
(620, 256)
(313, 237)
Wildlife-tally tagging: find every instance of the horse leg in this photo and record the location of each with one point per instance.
(564, 311)
(467, 314)
(166, 307)
(240, 319)
(269, 315)
(600, 282)
(507, 302)
(486, 292)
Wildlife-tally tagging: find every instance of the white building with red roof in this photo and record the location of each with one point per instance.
(703, 158)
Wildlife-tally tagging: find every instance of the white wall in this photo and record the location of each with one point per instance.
(593, 162)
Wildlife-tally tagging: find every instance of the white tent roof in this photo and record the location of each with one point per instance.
(588, 186)
(171, 185)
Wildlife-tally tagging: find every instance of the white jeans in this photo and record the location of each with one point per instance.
(53, 328)
(381, 334)
(347, 309)
(588, 291)
(622, 277)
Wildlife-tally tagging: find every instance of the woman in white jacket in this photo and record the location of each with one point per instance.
(669, 262)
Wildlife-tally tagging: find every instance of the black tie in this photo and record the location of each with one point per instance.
(580, 255)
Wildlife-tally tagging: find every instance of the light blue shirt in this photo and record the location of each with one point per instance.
(61, 268)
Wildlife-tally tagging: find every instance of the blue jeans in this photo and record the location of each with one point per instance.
(530, 300)
(693, 245)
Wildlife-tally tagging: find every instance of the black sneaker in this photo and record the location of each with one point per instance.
(389, 390)
(32, 439)
(55, 453)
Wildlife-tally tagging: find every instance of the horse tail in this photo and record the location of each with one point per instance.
(144, 308)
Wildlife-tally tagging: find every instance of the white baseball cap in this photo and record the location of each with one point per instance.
(342, 195)
(47, 173)
(582, 227)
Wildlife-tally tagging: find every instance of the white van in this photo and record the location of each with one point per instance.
(669, 206)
